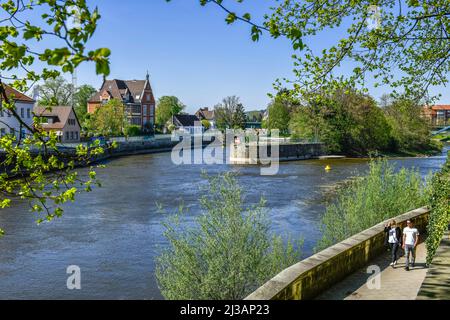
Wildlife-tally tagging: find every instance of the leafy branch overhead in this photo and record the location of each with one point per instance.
(401, 43)
(33, 167)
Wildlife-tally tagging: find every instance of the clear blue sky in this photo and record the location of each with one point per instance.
(192, 53)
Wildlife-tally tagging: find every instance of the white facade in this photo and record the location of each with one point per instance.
(10, 125)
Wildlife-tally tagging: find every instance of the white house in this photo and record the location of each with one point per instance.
(24, 108)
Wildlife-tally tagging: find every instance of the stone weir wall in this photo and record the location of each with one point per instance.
(310, 277)
(263, 152)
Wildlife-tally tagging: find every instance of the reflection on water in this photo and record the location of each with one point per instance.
(115, 233)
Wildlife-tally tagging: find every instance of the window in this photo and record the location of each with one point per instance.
(145, 110)
(28, 113)
(148, 97)
(2, 114)
(138, 97)
(22, 112)
(71, 135)
(76, 135)
(2, 132)
(12, 131)
(67, 135)
(23, 133)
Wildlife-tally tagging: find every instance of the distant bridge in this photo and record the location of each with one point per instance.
(441, 131)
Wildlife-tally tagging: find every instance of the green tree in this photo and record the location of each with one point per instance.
(403, 44)
(279, 115)
(37, 41)
(410, 130)
(167, 107)
(228, 254)
(346, 120)
(230, 114)
(110, 119)
(82, 96)
(55, 92)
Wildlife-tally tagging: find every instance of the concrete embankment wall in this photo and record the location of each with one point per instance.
(253, 153)
(310, 277)
(138, 147)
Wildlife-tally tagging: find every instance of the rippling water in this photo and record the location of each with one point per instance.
(115, 233)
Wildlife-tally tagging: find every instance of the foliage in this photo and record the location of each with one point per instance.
(371, 199)
(133, 131)
(347, 121)
(37, 41)
(230, 114)
(229, 252)
(404, 44)
(109, 120)
(278, 115)
(171, 127)
(255, 116)
(166, 108)
(206, 124)
(56, 92)
(439, 203)
(82, 96)
(410, 130)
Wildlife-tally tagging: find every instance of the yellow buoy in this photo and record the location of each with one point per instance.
(327, 168)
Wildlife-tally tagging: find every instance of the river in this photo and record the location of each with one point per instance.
(114, 233)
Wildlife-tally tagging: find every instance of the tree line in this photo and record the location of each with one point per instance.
(351, 122)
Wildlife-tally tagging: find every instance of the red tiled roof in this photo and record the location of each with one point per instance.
(441, 107)
(18, 96)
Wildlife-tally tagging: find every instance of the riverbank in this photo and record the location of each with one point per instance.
(122, 221)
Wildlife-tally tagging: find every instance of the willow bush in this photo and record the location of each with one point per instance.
(368, 200)
(440, 210)
(227, 254)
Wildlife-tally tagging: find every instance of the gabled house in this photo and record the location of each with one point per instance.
(62, 120)
(187, 123)
(137, 97)
(206, 114)
(24, 108)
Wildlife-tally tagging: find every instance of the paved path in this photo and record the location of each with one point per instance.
(396, 283)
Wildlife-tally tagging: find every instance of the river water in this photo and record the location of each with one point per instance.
(114, 233)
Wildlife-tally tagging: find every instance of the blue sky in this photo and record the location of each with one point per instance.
(192, 53)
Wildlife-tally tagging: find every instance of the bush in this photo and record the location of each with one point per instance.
(440, 210)
(206, 124)
(228, 254)
(133, 131)
(371, 199)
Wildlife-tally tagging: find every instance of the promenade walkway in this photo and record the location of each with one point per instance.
(396, 283)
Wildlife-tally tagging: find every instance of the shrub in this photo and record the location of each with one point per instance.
(228, 254)
(440, 210)
(133, 131)
(368, 200)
